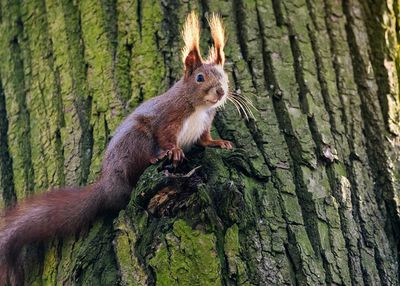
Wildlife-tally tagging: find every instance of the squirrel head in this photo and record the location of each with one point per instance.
(206, 82)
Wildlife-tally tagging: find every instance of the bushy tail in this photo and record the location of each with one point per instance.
(58, 212)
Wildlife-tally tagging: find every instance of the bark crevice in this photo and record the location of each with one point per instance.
(6, 168)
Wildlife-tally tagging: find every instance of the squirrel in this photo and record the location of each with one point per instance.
(164, 126)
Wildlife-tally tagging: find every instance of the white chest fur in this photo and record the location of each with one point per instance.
(192, 128)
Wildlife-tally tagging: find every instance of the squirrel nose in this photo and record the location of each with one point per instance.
(220, 92)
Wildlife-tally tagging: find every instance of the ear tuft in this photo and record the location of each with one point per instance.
(191, 56)
(216, 54)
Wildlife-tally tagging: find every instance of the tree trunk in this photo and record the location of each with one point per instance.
(309, 196)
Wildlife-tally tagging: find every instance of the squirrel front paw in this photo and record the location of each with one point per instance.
(223, 144)
(174, 153)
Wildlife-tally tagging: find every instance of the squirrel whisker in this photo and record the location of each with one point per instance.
(240, 105)
(247, 99)
(246, 105)
(234, 104)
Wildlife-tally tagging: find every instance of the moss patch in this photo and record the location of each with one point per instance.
(236, 267)
(187, 257)
(131, 271)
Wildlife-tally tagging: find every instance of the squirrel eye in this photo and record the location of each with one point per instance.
(200, 78)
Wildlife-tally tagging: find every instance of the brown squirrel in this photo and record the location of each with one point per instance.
(162, 126)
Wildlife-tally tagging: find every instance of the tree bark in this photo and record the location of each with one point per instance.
(309, 195)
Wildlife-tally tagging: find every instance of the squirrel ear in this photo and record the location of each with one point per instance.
(216, 54)
(192, 62)
(191, 56)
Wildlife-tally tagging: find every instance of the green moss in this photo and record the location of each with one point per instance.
(292, 208)
(126, 11)
(77, 99)
(90, 260)
(98, 54)
(15, 55)
(69, 84)
(187, 257)
(43, 99)
(236, 267)
(49, 274)
(148, 73)
(124, 243)
(6, 172)
(310, 267)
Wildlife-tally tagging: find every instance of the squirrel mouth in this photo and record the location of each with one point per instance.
(213, 101)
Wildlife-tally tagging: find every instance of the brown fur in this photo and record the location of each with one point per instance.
(147, 135)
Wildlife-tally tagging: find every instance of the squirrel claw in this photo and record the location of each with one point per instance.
(176, 155)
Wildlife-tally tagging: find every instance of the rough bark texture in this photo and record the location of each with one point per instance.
(309, 196)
